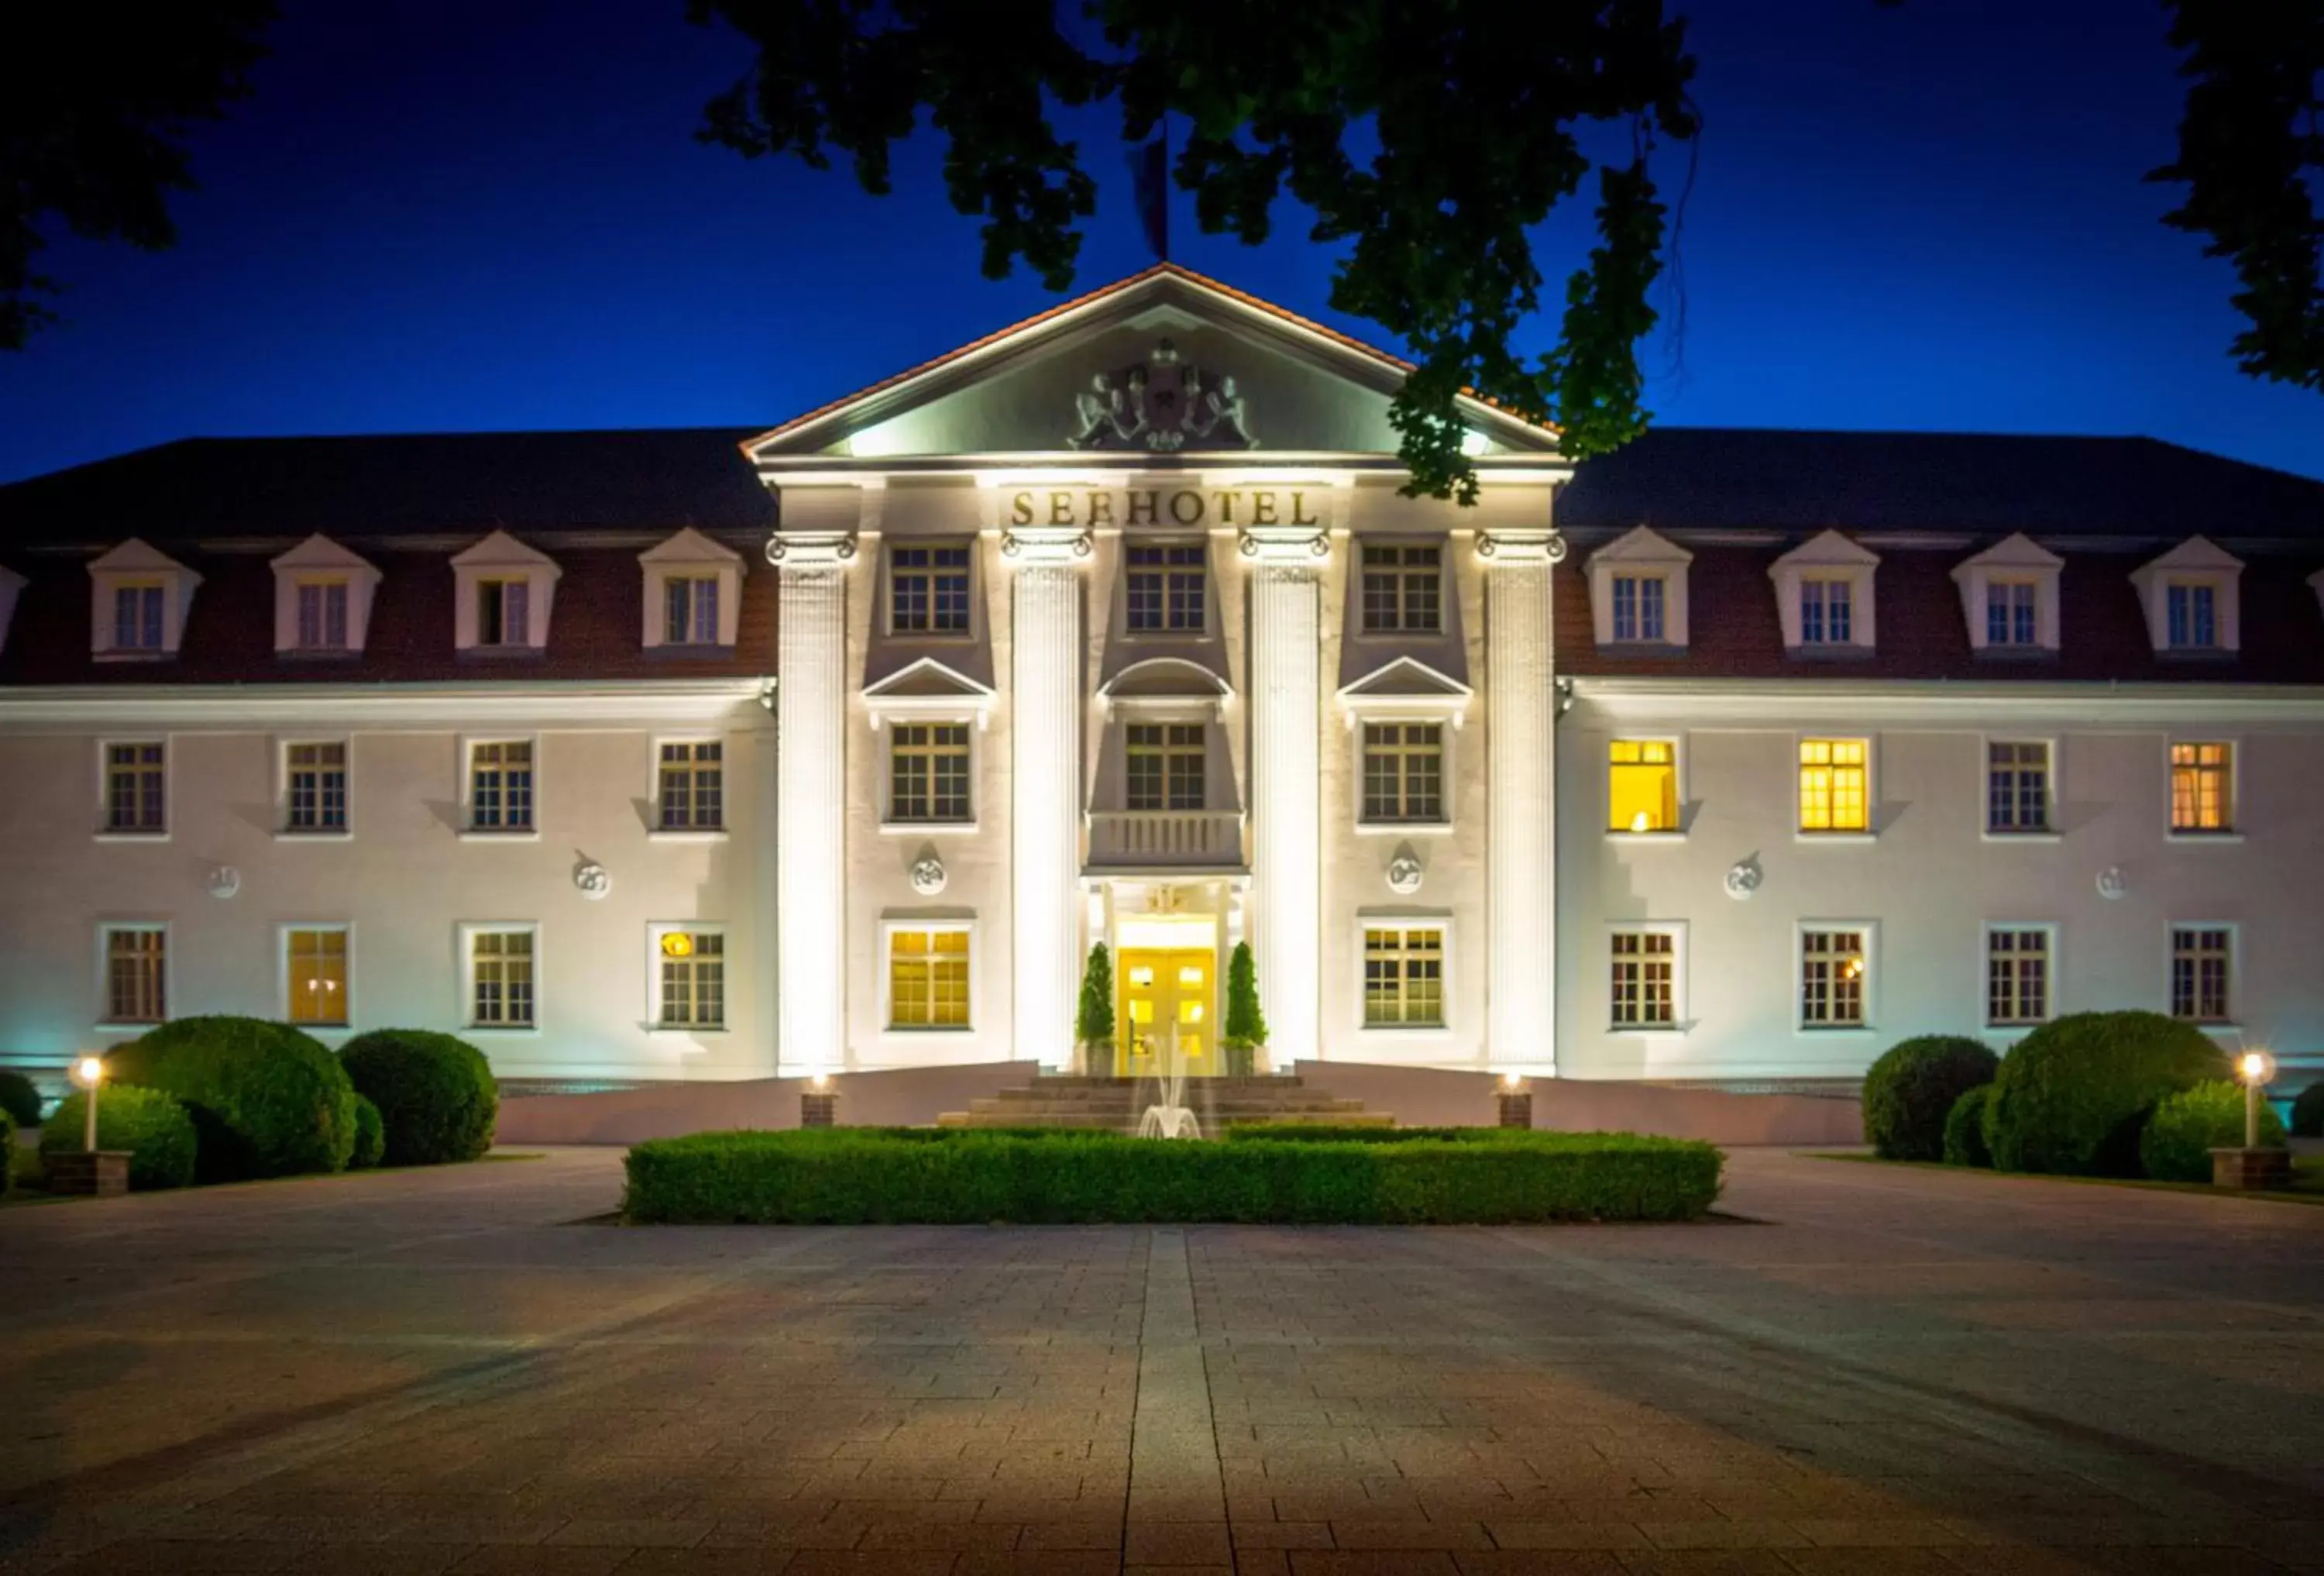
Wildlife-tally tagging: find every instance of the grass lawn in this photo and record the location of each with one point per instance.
(2307, 1177)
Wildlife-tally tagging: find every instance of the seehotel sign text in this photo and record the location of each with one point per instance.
(1092, 507)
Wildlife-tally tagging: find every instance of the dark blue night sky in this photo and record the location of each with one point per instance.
(495, 215)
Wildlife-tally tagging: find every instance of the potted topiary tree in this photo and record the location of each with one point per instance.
(1246, 1025)
(1093, 1018)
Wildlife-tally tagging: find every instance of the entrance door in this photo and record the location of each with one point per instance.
(1167, 1013)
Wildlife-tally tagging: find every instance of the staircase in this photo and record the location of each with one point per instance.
(1115, 1104)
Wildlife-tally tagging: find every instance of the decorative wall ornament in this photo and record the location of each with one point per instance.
(928, 875)
(2112, 883)
(1046, 545)
(1164, 899)
(1521, 547)
(1743, 878)
(1162, 404)
(819, 548)
(593, 880)
(1405, 873)
(1278, 545)
(225, 881)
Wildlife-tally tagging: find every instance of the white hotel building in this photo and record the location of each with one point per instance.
(1734, 757)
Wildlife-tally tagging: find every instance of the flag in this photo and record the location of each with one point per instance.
(1150, 170)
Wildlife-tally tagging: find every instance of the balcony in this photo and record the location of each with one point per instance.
(1166, 840)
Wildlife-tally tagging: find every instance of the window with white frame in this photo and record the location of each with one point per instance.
(2202, 789)
(1403, 772)
(692, 979)
(2016, 786)
(2012, 613)
(315, 787)
(1165, 589)
(1403, 975)
(137, 617)
(927, 977)
(692, 788)
(1643, 988)
(2202, 963)
(2017, 974)
(928, 590)
(689, 610)
(137, 786)
(500, 786)
(1835, 785)
(501, 991)
(1638, 602)
(1833, 966)
(315, 975)
(1403, 588)
(1827, 610)
(322, 612)
(1166, 765)
(136, 973)
(2191, 615)
(503, 613)
(928, 772)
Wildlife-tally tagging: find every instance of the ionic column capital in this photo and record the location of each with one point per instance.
(1509, 548)
(811, 549)
(1307, 545)
(1025, 545)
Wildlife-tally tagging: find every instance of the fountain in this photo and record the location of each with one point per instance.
(1171, 1117)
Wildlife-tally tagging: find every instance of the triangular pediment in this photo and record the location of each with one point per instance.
(1405, 678)
(927, 679)
(500, 550)
(690, 547)
(1827, 550)
(2015, 551)
(1163, 365)
(2197, 552)
(136, 556)
(320, 552)
(1641, 545)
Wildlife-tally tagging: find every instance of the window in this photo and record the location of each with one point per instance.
(2017, 786)
(1403, 590)
(1644, 975)
(690, 611)
(136, 788)
(2010, 613)
(2199, 970)
(1834, 792)
(693, 978)
(1165, 589)
(314, 788)
(1403, 771)
(500, 786)
(693, 786)
(928, 591)
(137, 618)
(1165, 766)
(1639, 607)
(1831, 979)
(928, 772)
(2191, 616)
(2016, 975)
(315, 969)
(2202, 789)
(322, 615)
(1825, 613)
(1641, 786)
(503, 613)
(500, 979)
(927, 977)
(136, 974)
(1404, 976)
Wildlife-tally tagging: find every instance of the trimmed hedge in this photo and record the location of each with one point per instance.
(151, 1125)
(18, 1099)
(854, 1176)
(2073, 1095)
(2307, 1112)
(266, 1099)
(371, 1137)
(2185, 1127)
(435, 1093)
(1965, 1129)
(1911, 1091)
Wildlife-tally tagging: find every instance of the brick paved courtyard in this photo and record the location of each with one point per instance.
(1892, 1371)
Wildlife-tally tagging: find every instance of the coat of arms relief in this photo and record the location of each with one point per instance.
(1164, 404)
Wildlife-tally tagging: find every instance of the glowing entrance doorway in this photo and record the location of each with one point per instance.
(1169, 1012)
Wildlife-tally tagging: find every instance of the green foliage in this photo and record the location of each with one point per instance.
(370, 1135)
(2073, 1095)
(2185, 1127)
(1093, 1016)
(19, 1099)
(847, 1175)
(2308, 1111)
(1429, 139)
(7, 1152)
(435, 1091)
(1965, 1128)
(1912, 1090)
(266, 1099)
(1246, 1024)
(151, 1125)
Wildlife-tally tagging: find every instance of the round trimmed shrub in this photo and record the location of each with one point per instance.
(151, 1125)
(1909, 1093)
(371, 1137)
(2185, 1127)
(266, 1099)
(435, 1093)
(2073, 1095)
(1965, 1128)
(19, 1099)
(2307, 1112)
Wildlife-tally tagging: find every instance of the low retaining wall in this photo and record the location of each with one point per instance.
(903, 1096)
(1420, 1097)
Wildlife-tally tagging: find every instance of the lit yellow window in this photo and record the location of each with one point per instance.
(317, 964)
(1833, 790)
(2202, 797)
(1641, 786)
(927, 979)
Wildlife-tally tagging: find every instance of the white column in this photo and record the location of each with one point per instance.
(1045, 705)
(1521, 796)
(1285, 772)
(811, 799)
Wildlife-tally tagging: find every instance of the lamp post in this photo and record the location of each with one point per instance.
(104, 1172)
(2255, 1068)
(2252, 1166)
(88, 1072)
(1515, 1098)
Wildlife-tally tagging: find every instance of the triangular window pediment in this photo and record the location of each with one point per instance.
(930, 689)
(1641, 545)
(2014, 551)
(320, 552)
(499, 550)
(1829, 549)
(689, 547)
(1404, 678)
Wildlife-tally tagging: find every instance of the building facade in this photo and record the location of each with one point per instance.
(1734, 757)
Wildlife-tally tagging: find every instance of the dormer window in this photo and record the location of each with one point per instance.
(694, 590)
(2009, 598)
(2190, 597)
(503, 613)
(1638, 602)
(322, 600)
(138, 601)
(2011, 612)
(2191, 615)
(1825, 611)
(690, 611)
(1637, 591)
(137, 618)
(1823, 595)
(322, 615)
(505, 593)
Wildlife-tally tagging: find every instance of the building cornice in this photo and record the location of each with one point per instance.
(246, 707)
(1720, 703)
